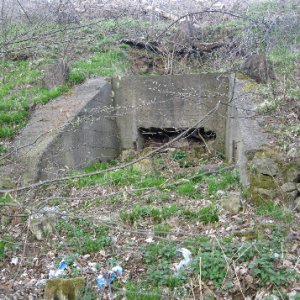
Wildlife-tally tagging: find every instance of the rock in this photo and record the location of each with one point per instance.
(298, 187)
(258, 68)
(297, 204)
(64, 289)
(232, 203)
(288, 187)
(144, 166)
(55, 75)
(270, 194)
(7, 180)
(41, 225)
(266, 166)
(293, 174)
(291, 196)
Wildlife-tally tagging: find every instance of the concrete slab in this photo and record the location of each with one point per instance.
(70, 132)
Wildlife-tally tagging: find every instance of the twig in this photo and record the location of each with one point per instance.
(200, 278)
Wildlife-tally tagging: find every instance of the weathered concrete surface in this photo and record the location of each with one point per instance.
(69, 133)
(177, 101)
(244, 136)
(90, 125)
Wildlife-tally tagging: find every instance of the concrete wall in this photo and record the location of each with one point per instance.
(177, 101)
(70, 132)
(95, 122)
(243, 133)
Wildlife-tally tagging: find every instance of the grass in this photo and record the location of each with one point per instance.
(223, 181)
(142, 212)
(102, 63)
(274, 211)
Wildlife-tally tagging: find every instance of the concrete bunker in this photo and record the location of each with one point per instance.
(101, 118)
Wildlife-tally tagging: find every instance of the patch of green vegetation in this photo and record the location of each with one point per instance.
(159, 258)
(208, 214)
(274, 211)
(151, 180)
(135, 214)
(222, 181)
(164, 197)
(284, 59)
(161, 251)
(141, 212)
(213, 264)
(7, 246)
(188, 189)
(263, 267)
(5, 199)
(162, 229)
(103, 63)
(136, 291)
(120, 177)
(162, 275)
(3, 149)
(83, 236)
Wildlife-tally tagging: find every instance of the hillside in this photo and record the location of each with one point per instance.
(173, 214)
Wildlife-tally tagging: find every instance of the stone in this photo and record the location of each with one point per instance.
(232, 203)
(293, 174)
(258, 68)
(64, 289)
(297, 204)
(42, 225)
(298, 187)
(291, 196)
(55, 75)
(266, 166)
(270, 194)
(288, 187)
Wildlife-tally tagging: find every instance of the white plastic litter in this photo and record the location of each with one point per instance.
(187, 258)
(107, 277)
(59, 271)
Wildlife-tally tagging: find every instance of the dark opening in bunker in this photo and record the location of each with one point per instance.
(154, 136)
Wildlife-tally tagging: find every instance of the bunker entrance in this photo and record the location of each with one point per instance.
(155, 137)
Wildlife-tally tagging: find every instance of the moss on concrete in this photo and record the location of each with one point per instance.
(62, 289)
(263, 186)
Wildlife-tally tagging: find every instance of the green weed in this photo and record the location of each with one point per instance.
(105, 63)
(142, 212)
(274, 211)
(264, 268)
(83, 236)
(161, 251)
(151, 181)
(135, 214)
(208, 214)
(3, 149)
(189, 190)
(138, 291)
(162, 229)
(121, 177)
(222, 181)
